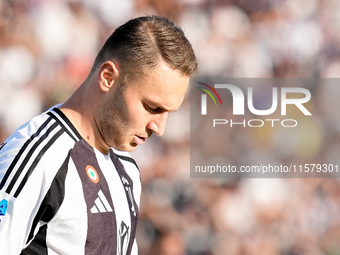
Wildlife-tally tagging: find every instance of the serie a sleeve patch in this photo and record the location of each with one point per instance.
(5, 208)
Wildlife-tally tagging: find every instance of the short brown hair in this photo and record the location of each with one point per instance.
(140, 43)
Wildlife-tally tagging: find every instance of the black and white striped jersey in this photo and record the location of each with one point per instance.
(59, 195)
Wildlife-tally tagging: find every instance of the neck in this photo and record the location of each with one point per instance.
(79, 109)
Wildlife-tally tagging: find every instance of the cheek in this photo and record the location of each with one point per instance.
(137, 116)
(135, 111)
(112, 115)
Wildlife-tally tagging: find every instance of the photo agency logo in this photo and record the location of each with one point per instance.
(204, 97)
(264, 127)
(281, 98)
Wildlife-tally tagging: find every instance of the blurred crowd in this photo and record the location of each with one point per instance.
(47, 48)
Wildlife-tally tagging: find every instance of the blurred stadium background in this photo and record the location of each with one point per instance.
(47, 48)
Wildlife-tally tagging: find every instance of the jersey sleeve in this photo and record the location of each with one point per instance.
(28, 170)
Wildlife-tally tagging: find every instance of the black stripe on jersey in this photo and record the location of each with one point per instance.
(47, 210)
(68, 123)
(131, 160)
(39, 246)
(128, 188)
(36, 161)
(22, 150)
(28, 156)
(101, 227)
(2, 145)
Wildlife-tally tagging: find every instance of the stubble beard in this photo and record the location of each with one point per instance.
(113, 121)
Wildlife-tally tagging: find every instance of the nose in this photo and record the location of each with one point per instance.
(158, 123)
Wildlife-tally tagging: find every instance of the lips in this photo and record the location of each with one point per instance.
(139, 139)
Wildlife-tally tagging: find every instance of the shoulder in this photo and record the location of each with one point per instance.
(40, 146)
(25, 138)
(35, 136)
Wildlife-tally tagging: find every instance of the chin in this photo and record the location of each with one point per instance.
(127, 148)
(131, 148)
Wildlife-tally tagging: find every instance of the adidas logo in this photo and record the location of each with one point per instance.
(101, 204)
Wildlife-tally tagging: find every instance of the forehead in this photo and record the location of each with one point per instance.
(162, 86)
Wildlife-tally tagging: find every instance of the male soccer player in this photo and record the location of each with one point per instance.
(67, 182)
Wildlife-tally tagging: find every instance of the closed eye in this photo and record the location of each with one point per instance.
(157, 110)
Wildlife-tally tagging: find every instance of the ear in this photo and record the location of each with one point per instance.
(108, 74)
